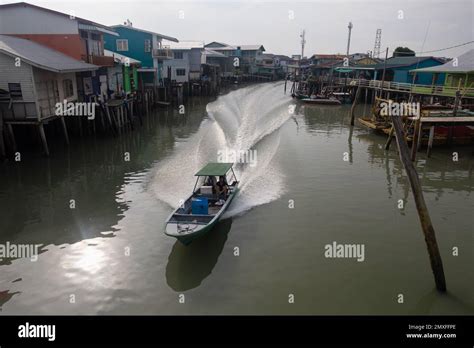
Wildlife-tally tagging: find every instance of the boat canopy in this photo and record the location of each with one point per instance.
(216, 169)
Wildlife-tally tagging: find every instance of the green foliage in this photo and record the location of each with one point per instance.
(403, 52)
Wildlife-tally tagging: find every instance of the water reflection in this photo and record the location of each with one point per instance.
(439, 174)
(189, 265)
(428, 303)
(76, 193)
(324, 118)
(5, 296)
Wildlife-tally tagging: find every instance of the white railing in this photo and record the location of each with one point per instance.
(406, 87)
(163, 53)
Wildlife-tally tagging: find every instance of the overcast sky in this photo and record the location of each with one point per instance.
(426, 25)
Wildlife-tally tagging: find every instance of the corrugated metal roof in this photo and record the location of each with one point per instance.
(120, 58)
(184, 45)
(170, 38)
(404, 61)
(96, 28)
(225, 48)
(465, 64)
(251, 47)
(328, 56)
(41, 56)
(234, 47)
(211, 53)
(78, 19)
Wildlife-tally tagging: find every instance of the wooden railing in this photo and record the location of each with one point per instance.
(18, 110)
(407, 87)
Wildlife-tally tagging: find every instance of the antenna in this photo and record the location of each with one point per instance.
(303, 41)
(350, 26)
(378, 42)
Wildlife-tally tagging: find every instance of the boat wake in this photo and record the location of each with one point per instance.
(244, 120)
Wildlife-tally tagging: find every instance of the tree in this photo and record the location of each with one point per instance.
(403, 52)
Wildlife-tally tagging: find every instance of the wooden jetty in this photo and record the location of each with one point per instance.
(433, 127)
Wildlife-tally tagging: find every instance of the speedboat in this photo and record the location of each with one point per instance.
(200, 212)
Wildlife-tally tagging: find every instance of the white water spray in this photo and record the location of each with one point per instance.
(245, 119)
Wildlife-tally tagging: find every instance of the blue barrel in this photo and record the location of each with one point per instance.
(200, 206)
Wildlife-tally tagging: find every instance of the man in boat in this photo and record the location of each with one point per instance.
(221, 189)
(211, 181)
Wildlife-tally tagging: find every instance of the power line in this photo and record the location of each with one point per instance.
(448, 48)
(441, 49)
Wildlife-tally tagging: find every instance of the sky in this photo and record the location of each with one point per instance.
(422, 25)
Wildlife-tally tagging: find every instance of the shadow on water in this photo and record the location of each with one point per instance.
(189, 265)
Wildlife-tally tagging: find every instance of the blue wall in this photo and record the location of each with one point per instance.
(136, 45)
(402, 74)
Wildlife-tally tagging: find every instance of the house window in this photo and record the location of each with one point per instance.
(68, 88)
(178, 55)
(15, 91)
(122, 45)
(84, 34)
(180, 72)
(95, 37)
(147, 45)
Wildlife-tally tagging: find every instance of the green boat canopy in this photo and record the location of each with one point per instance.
(216, 169)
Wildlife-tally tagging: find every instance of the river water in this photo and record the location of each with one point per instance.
(316, 182)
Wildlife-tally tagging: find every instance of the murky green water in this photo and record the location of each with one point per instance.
(110, 252)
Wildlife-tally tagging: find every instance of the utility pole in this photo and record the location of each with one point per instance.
(303, 41)
(349, 38)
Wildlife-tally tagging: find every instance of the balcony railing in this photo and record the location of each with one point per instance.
(163, 53)
(407, 87)
(98, 60)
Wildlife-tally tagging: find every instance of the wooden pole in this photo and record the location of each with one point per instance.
(390, 137)
(63, 125)
(415, 139)
(12, 136)
(43, 138)
(455, 111)
(423, 214)
(3, 152)
(430, 141)
(354, 105)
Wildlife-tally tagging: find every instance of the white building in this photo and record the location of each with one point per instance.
(36, 78)
(186, 63)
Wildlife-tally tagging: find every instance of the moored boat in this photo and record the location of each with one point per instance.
(203, 208)
(343, 97)
(299, 95)
(325, 101)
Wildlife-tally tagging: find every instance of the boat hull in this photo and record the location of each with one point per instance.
(186, 237)
(321, 101)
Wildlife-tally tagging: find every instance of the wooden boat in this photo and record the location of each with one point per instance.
(299, 95)
(343, 97)
(325, 101)
(200, 212)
